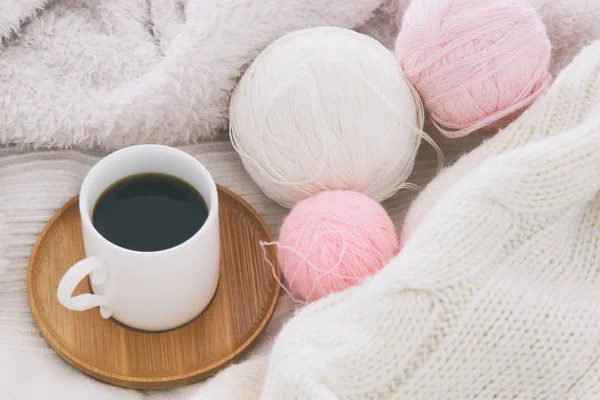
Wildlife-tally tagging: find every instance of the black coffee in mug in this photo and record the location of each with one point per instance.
(149, 212)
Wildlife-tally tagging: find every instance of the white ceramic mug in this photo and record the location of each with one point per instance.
(156, 290)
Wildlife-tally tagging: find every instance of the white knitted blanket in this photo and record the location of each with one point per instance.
(168, 87)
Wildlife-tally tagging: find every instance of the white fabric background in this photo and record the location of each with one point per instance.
(79, 84)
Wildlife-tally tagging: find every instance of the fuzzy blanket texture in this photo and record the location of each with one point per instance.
(94, 76)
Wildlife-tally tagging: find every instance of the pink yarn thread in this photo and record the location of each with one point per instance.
(474, 62)
(332, 241)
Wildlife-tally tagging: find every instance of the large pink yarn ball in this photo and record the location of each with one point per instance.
(475, 63)
(332, 241)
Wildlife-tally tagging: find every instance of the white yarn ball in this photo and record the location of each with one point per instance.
(326, 109)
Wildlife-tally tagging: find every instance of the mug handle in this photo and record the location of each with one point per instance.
(91, 265)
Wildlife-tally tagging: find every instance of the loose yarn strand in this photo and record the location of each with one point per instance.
(274, 273)
(409, 186)
(322, 271)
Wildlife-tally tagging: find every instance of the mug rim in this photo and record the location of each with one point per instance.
(93, 172)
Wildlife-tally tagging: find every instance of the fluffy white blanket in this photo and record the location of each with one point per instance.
(109, 73)
(112, 73)
(99, 75)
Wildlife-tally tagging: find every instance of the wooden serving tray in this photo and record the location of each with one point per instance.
(105, 349)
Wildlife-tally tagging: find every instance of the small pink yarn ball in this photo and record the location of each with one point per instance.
(475, 63)
(332, 241)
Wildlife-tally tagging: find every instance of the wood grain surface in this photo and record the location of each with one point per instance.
(102, 348)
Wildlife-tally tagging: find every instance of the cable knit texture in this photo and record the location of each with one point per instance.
(60, 100)
(497, 292)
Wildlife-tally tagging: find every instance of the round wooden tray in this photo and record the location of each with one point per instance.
(107, 350)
